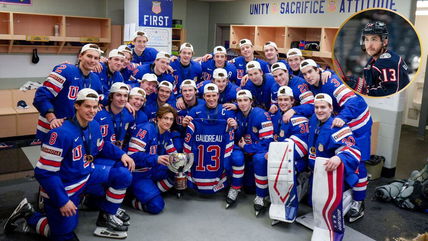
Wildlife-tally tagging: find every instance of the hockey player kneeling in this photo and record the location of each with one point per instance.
(66, 169)
(287, 158)
(334, 158)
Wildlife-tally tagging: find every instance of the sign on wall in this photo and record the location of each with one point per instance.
(20, 2)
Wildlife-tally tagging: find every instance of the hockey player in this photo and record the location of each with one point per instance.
(227, 90)
(219, 60)
(252, 138)
(141, 54)
(385, 72)
(159, 68)
(294, 57)
(137, 98)
(128, 66)
(110, 71)
(149, 146)
(260, 85)
(184, 67)
(353, 111)
(149, 83)
(271, 54)
(55, 99)
(338, 145)
(155, 101)
(247, 55)
(303, 103)
(66, 169)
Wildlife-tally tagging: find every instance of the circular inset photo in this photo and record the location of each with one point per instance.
(376, 52)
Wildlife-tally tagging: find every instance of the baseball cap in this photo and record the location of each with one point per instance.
(137, 34)
(308, 62)
(163, 55)
(186, 46)
(278, 65)
(87, 94)
(219, 73)
(245, 41)
(91, 47)
(188, 83)
(124, 49)
(270, 43)
(219, 50)
(294, 52)
(253, 65)
(244, 93)
(166, 84)
(323, 97)
(138, 91)
(119, 87)
(149, 77)
(285, 91)
(210, 88)
(116, 53)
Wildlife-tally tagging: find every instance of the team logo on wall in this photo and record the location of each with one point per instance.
(331, 6)
(156, 7)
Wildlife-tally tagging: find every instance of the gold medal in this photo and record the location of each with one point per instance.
(118, 143)
(312, 150)
(89, 158)
(320, 147)
(255, 130)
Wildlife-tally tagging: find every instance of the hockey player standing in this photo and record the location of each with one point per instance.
(110, 72)
(128, 66)
(252, 138)
(55, 99)
(159, 68)
(294, 57)
(271, 53)
(385, 72)
(66, 169)
(353, 111)
(141, 54)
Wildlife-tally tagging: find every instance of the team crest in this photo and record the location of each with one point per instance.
(156, 7)
(255, 130)
(385, 56)
(281, 134)
(321, 148)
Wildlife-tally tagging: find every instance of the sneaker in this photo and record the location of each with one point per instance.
(122, 215)
(17, 219)
(259, 205)
(232, 195)
(110, 221)
(357, 211)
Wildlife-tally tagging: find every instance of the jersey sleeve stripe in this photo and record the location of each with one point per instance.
(306, 98)
(52, 88)
(301, 145)
(360, 121)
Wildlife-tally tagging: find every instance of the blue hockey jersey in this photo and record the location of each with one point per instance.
(227, 96)
(303, 97)
(140, 117)
(114, 128)
(241, 64)
(257, 130)
(203, 112)
(107, 79)
(211, 144)
(208, 68)
(151, 106)
(147, 57)
(192, 71)
(261, 94)
(59, 91)
(62, 169)
(324, 141)
(386, 75)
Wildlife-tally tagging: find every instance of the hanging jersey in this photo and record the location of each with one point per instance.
(211, 144)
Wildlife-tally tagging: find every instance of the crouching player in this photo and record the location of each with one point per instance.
(252, 139)
(337, 146)
(66, 169)
(150, 145)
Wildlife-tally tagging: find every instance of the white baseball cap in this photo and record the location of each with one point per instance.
(188, 83)
(91, 47)
(138, 91)
(270, 43)
(294, 52)
(245, 41)
(119, 87)
(285, 91)
(308, 62)
(166, 84)
(219, 73)
(323, 97)
(278, 65)
(116, 53)
(210, 88)
(219, 50)
(252, 65)
(149, 77)
(85, 94)
(163, 55)
(244, 93)
(137, 34)
(125, 49)
(186, 46)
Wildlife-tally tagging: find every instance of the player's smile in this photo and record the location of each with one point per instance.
(281, 77)
(284, 103)
(137, 102)
(294, 63)
(166, 121)
(323, 111)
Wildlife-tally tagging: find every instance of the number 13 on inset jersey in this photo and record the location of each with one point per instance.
(389, 75)
(204, 162)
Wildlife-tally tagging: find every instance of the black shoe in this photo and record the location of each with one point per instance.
(18, 216)
(122, 215)
(110, 221)
(259, 205)
(357, 211)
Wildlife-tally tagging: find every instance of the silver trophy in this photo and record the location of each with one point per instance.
(180, 163)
